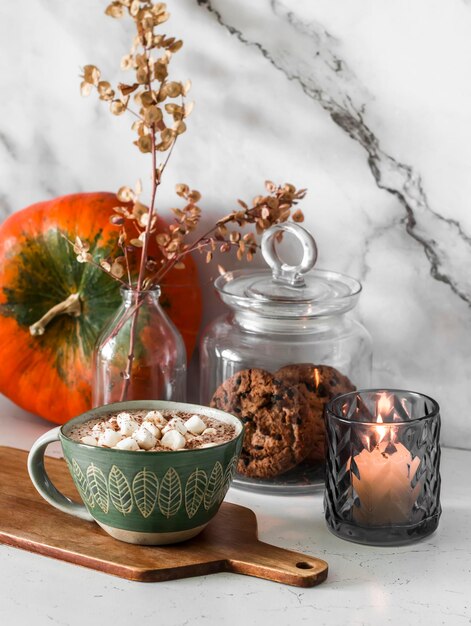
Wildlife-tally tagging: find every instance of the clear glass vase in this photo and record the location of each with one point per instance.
(140, 354)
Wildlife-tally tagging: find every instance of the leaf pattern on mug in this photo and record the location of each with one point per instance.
(170, 493)
(120, 492)
(194, 491)
(228, 476)
(145, 487)
(98, 487)
(82, 484)
(215, 483)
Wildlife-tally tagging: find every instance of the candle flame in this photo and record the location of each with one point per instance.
(317, 378)
(381, 430)
(384, 408)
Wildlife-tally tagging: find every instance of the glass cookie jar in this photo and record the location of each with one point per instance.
(286, 346)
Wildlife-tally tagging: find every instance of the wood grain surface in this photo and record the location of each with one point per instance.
(228, 544)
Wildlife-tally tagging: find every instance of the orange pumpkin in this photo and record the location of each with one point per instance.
(50, 374)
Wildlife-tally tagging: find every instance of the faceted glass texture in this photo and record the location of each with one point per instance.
(382, 466)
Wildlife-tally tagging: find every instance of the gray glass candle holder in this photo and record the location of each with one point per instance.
(382, 466)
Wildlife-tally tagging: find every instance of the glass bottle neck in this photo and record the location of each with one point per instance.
(132, 296)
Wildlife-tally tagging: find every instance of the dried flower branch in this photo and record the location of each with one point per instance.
(227, 233)
(158, 120)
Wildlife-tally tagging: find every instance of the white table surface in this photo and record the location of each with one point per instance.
(426, 583)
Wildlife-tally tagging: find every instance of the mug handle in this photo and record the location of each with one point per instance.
(42, 482)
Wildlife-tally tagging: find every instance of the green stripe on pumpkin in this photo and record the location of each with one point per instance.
(47, 272)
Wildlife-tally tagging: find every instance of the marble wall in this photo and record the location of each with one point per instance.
(367, 103)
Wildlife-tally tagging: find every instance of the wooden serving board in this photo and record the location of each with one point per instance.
(228, 544)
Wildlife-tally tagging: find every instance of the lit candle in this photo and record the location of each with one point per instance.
(383, 475)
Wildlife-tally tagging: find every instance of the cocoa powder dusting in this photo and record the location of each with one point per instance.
(96, 426)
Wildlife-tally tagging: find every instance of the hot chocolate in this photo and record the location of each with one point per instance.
(153, 431)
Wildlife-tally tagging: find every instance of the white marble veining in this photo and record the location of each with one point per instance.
(425, 584)
(365, 103)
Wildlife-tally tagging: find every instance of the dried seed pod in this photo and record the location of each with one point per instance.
(144, 143)
(117, 220)
(127, 89)
(91, 74)
(115, 9)
(85, 88)
(104, 90)
(117, 107)
(125, 194)
(117, 270)
(152, 115)
(298, 216)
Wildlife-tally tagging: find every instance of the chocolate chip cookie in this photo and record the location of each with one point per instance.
(317, 384)
(279, 430)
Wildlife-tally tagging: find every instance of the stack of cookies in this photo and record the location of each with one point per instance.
(282, 413)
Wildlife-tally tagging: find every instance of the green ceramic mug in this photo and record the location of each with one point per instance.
(147, 498)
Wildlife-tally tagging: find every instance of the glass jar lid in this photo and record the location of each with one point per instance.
(289, 291)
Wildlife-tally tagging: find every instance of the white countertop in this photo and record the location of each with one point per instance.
(426, 583)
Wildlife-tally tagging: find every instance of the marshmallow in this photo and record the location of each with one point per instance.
(127, 444)
(173, 439)
(195, 425)
(109, 438)
(89, 440)
(152, 428)
(97, 428)
(210, 444)
(144, 438)
(126, 424)
(176, 423)
(124, 415)
(209, 431)
(156, 418)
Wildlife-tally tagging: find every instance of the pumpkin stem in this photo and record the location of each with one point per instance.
(70, 306)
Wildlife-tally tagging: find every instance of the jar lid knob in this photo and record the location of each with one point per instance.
(283, 272)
